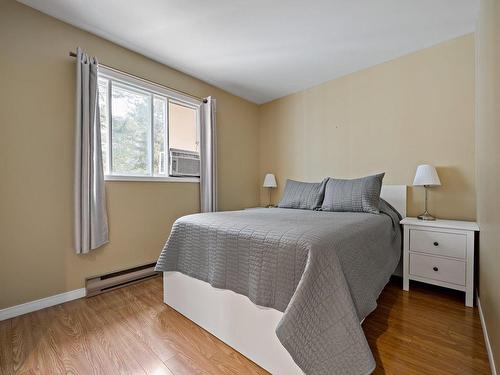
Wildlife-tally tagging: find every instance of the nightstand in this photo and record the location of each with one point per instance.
(440, 252)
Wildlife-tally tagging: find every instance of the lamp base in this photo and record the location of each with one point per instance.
(426, 216)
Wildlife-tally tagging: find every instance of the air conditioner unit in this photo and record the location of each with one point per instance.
(184, 163)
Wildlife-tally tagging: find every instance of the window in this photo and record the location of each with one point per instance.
(141, 124)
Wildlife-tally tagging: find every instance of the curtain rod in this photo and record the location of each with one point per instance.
(73, 54)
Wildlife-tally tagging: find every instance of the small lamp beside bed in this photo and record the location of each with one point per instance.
(269, 183)
(426, 176)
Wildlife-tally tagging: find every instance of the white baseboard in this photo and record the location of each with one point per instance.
(486, 339)
(11, 312)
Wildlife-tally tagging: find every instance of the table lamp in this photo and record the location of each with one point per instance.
(269, 183)
(427, 177)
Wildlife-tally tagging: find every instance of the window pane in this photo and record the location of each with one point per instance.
(131, 131)
(182, 128)
(159, 126)
(104, 114)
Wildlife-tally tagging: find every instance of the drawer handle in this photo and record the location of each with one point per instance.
(436, 243)
(435, 268)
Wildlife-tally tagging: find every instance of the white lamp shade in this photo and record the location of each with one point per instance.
(426, 176)
(269, 181)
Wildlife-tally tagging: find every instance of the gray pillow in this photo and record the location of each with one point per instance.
(303, 195)
(358, 195)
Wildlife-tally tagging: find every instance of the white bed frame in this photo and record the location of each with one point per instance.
(248, 328)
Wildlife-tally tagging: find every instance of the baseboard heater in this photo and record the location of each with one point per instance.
(114, 280)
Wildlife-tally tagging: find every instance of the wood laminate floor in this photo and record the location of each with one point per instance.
(130, 331)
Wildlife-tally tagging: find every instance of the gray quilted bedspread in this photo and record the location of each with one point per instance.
(324, 270)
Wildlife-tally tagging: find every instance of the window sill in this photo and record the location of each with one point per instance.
(152, 179)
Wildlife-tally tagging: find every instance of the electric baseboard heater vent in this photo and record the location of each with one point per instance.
(114, 280)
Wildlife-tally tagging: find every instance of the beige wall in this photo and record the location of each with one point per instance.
(415, 109)
(488, 167)
(36, 158)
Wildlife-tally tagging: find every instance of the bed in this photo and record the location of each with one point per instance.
(267, 283)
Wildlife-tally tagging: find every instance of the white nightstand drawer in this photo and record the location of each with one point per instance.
(438, 243)
(447, 270)
(448, 263)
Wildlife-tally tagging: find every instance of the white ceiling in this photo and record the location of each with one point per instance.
(265, 49)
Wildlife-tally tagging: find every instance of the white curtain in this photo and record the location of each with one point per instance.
(91, 220)
(208, 157)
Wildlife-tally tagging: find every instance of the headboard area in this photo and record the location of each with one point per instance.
(395, 195)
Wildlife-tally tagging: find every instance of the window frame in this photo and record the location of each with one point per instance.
(153, 89)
